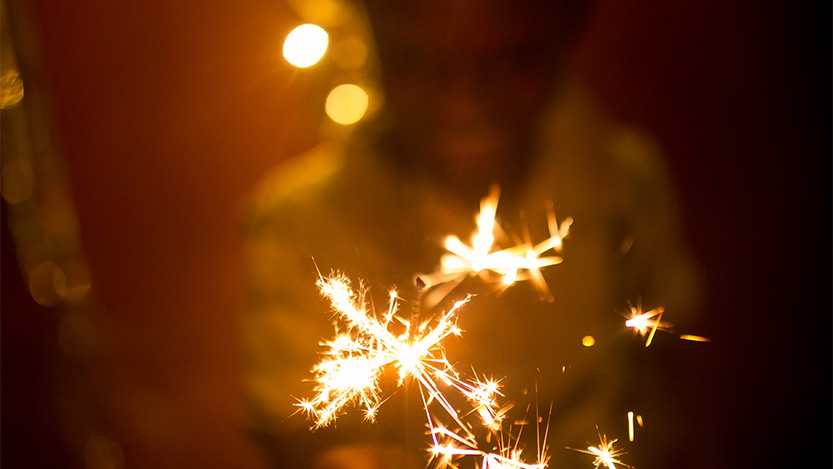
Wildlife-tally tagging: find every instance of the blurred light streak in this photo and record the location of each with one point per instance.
(694, 338)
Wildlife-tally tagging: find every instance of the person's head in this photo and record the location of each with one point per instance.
(467, 80)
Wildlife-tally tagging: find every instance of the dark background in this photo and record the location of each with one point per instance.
(167, 113)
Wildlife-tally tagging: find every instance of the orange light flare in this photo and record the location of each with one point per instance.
(485, 258)
(641, 322)
(606, 453)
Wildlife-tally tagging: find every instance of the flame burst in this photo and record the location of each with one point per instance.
(485, 258)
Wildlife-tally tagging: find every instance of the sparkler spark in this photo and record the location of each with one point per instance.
(642, 321)
(483, 257)
(606, 453)
(449, 445)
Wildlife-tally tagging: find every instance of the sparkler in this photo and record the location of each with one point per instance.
(483, 256)
(354, 361)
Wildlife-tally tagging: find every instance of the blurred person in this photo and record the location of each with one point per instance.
(477, 95)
